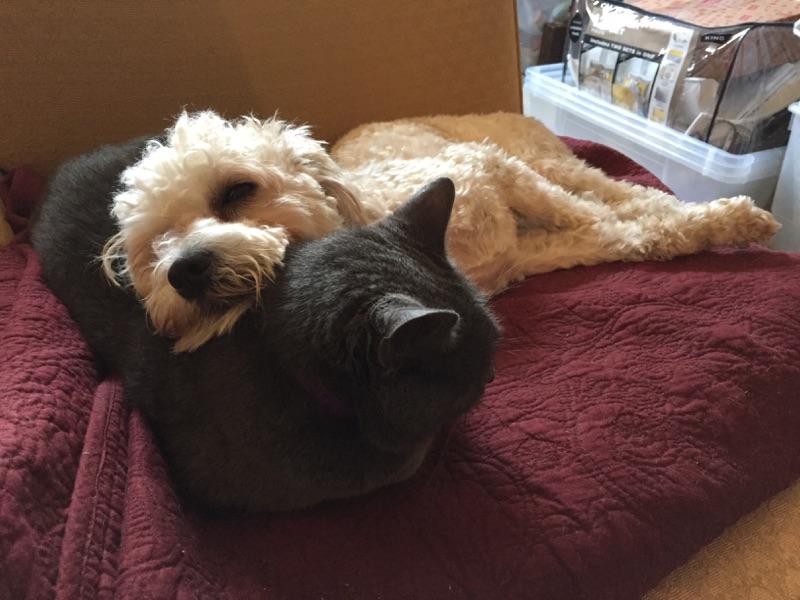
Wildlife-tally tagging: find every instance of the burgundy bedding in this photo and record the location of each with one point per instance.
(637, 410)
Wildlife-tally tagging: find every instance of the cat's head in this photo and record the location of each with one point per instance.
(379, 320)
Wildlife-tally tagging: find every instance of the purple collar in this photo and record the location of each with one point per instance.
(328, 402)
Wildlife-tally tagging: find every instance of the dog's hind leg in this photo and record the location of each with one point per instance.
(663, 223)
(590, 183)
(538, 203)
(657, 235)
(499, 199)
(529, 208)
(725, 222)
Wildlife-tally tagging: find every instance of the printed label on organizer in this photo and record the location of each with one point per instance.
(716, 38)
(677, 51)
(597, 67)
(576, 27)
(619, 73)
(617, 47)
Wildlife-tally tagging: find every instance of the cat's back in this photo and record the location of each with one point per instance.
(76, 207)
(70, 230)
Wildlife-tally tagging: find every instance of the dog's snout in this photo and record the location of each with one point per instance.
(191, 274)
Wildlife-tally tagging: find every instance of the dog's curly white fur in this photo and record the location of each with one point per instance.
(172, 203)
(525, 204)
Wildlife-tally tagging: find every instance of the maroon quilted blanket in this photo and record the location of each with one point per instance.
(637, 410)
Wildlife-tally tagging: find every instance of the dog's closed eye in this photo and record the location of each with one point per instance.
(235, 193)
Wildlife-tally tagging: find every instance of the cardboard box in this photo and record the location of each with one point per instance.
(76, 75)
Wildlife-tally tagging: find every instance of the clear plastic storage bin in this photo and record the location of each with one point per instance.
(786, 205)
(694, 170)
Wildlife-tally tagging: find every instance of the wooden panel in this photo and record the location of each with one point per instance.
(77, 74)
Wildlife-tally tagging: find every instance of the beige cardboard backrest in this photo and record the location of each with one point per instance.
(79, 74)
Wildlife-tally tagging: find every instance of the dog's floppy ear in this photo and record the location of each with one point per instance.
(333, 182)
(347, 200)
(316, 162)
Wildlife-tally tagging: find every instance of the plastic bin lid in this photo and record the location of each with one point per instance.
(695, 154)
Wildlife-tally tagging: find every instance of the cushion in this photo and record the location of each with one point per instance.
(637, 410)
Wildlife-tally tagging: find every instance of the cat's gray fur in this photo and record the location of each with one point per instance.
(375, 318)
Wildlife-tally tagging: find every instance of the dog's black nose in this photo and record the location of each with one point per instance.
(191, 274)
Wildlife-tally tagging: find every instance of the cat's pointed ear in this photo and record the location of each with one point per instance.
(409, 330)
(425, 216)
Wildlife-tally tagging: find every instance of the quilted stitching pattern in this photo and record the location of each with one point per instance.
(637, 410)
(47, 383)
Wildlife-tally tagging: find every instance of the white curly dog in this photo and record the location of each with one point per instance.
(241, 190)
(206, 213)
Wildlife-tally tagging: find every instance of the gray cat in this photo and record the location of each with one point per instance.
(367, 344)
